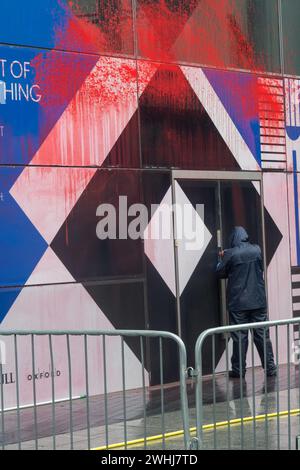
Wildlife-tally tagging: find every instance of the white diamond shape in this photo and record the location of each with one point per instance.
(160, 251)
(188, 257)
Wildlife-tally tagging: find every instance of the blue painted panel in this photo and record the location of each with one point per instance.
(296, 199)
(35, 90)
(80, 26)
(7, 298)
(235, 90)
(32, 23)
(21, 245)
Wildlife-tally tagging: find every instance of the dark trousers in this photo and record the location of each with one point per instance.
(240, 339)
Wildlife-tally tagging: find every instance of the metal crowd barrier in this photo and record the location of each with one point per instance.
(255, 412)
(37, 417)
(248, 414)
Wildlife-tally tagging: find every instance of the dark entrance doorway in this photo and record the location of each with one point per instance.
(225, 200)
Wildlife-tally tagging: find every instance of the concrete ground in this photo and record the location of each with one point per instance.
(271, 433)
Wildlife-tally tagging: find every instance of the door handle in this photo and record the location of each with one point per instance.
(224, 319)
(219, 239)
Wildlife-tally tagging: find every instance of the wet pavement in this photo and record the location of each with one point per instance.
(223, 401)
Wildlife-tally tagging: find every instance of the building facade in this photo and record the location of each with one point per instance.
(152, 102)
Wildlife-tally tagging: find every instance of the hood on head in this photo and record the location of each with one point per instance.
(238, 236)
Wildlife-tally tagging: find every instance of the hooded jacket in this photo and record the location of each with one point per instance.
(243, 266)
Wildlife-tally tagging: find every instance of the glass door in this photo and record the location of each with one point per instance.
(208, 206)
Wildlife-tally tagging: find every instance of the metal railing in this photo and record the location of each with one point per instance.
(62, 417)
(241, 417)
(110, 403)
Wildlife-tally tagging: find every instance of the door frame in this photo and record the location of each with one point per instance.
(206, 175)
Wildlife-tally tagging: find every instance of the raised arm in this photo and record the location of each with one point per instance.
(223, 265)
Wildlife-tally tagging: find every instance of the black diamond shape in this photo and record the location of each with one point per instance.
(176, 131)
(76, 244)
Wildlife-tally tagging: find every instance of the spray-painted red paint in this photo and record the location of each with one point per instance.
(105, 27)
(208, 32)
(95, 117)
(60, 75)
(112, 82)
(205, 32)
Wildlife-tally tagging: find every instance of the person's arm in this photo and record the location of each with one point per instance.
(223, 265)
(260, 261)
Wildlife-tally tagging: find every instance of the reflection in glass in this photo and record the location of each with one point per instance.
(107, 25)
(291, 18)
(224, 33)
(240, 204)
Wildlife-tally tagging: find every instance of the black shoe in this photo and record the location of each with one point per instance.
(272, 372)
(235, 375)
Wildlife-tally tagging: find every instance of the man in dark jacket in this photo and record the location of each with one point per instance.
(242, 265)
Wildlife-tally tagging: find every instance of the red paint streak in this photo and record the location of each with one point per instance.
(207, 32)
(103, 27)
(159, 23)
(80, 35)
(202, 32)
(248, 60)
(167, 90)
(191, 32)
(59, 75)
(112, 82)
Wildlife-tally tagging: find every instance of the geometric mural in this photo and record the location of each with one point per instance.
(102, 103)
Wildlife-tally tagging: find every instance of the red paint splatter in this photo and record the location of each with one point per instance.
(102, 27)
(159, 23)
(201, 32)
(60, 75)
(166, 90)
(112, 82)
(208, 33)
